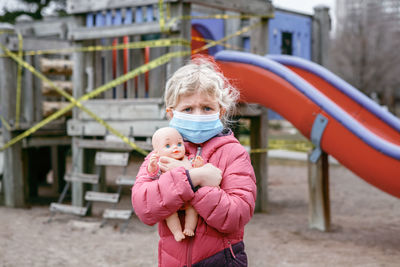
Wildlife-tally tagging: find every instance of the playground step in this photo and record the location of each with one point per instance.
(57, 207)
(102, 197)
(125, 180)
(117, 214)
(82, 177)
(112, 159)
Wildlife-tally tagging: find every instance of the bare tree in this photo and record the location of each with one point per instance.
(365, 50)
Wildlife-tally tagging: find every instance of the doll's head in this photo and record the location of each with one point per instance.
(168, 142)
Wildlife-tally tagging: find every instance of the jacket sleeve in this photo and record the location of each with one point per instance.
(153, 200)
(231, 206)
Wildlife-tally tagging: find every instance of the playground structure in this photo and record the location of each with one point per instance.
(133, 106)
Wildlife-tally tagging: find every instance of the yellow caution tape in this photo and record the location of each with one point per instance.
(216, 16)
(142, 69)
(291, 145)
(5, 123)
(161, 15)
(195, 38)
(214, 43)
(95, 48)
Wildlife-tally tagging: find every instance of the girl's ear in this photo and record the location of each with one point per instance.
(222, 112)
(169, 112)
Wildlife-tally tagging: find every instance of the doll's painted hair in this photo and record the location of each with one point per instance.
(201, 74)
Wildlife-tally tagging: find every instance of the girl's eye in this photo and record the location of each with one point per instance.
(187, 109)
(167, 146)
(179, 144)
(207, 108)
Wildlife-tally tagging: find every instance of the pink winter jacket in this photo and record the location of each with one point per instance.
(223, 212)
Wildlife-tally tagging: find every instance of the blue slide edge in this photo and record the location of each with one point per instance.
(314, 95)
(341, 85)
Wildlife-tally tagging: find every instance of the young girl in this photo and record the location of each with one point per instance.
(199, 102)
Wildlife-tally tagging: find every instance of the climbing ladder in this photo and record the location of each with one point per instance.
(113, 159)
(102, 159)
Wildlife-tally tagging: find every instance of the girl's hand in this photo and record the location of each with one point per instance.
(207, 175)
(167, 163)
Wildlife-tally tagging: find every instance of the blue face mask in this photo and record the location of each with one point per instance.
(196, 128)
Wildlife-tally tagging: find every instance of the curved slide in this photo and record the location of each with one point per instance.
(359, 134)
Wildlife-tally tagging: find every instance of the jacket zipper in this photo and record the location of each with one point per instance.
(231, 249)
(190, 245)
(189, 252)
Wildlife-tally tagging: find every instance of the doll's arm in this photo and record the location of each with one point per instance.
(153, 167)
(197, 162)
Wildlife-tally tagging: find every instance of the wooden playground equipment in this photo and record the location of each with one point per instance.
(85, 56)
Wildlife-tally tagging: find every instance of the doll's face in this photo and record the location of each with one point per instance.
(168, 142)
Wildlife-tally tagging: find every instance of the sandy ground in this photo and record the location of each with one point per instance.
(365, 230)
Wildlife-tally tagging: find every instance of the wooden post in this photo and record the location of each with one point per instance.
(320, 35)
(13, 180)
(179, 9)
(259, 139)
(318, 184)
(79, 80)
(259, 125)
(232, 26)
(259, 37)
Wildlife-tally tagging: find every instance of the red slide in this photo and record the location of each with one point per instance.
(366, 143)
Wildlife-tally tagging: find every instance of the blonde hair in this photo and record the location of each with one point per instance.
(200, 74)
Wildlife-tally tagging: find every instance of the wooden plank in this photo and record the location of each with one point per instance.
(157, 76)
(83, 33)
(124, 109)
(183, 31)
(111, 159)
(56, 66)
(57, 207)
(92, 128)
(108, 72)
(38, 141)
(79, 81)
(82, 178)
(138, 60)
(65, 86)
(76, 6)
(28, 96)
(259, 139)
(119, 56)
(37, 87)
(259, 7)
(35, 43)
(120, 146)
(321, 35)
(117, 214)
(99, 67)
(232, 26)
(125, 180)
(102, 197)
(259, 37)
(89, 69)
(50, 27)
(318, 185)
(54, 106)
(131, 84)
